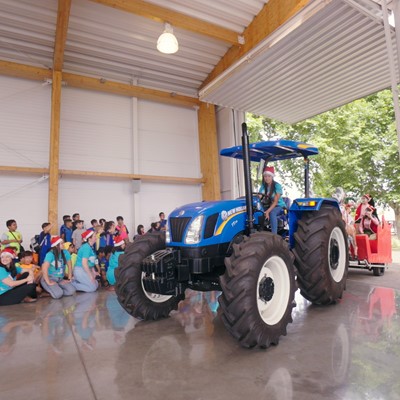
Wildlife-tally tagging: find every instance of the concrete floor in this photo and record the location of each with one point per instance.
(87, 347)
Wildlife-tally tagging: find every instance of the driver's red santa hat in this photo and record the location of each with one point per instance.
(269, 171)
(55, 240)
(9, 251)
(87, 234)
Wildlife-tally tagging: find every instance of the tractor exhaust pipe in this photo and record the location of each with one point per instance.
(247, 179)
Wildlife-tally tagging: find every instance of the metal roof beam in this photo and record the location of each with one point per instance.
(162, 14)
(64, 8)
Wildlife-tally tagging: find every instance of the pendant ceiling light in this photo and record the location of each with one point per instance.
(167, 42)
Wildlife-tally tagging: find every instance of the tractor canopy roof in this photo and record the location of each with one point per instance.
(272, 150)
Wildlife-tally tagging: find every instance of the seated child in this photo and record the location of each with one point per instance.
(72, 251)
(25, 262)
(350, 228)
(119, 248)
(369, 224)
(53, 278)
(102, 265)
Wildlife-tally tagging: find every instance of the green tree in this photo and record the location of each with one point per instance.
(357, 149)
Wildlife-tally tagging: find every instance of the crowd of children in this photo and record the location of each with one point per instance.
(79, 259)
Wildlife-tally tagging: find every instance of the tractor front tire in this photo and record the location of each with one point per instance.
(322, 256)
(129, 287)
(258, 290)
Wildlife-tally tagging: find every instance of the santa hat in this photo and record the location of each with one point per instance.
(10, 252)
(55, 240)
(118, 241)
(269, 171)
(87, 234)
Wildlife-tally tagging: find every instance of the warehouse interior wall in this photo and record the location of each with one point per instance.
(98, 132)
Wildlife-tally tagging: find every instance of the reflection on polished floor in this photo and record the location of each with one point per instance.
(87, 347)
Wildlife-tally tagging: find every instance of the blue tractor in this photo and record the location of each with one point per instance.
(226, 246)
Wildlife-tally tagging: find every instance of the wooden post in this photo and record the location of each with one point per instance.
(209, 152)
(54, 150)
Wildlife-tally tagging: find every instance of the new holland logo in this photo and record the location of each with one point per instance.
(226, 214)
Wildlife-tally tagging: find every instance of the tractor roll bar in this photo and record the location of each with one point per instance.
(247, 179)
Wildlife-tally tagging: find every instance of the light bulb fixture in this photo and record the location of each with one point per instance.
(167, 42)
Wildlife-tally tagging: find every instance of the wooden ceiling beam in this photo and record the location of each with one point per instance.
(64, 9)
(176, 19)
(273, 15)
(124, 89)
(84, 82)
(16, 70)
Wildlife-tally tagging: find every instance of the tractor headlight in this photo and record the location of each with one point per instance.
(193, 233)
(167, 236)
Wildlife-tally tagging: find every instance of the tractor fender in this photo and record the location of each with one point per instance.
(302, 205)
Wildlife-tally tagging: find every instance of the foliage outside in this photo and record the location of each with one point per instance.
(357, 145)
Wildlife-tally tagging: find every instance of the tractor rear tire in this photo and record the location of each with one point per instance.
(129, 287)
(322, 256)
(258, 290)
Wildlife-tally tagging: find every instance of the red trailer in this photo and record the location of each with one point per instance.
(376, 254)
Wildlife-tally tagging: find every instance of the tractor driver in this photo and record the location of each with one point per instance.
(272, 201)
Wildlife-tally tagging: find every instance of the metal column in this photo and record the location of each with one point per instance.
(391, 56)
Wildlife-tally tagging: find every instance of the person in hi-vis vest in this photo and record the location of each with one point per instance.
(12, 238)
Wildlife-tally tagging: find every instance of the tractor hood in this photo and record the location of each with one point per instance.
(220, 221)
(208, 208)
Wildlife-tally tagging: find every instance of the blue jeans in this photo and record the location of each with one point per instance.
(59, 290)
(273, 218)
(82, 281)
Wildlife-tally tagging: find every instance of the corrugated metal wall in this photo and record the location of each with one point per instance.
(25, 122)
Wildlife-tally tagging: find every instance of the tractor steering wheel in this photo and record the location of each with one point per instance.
(259, 195)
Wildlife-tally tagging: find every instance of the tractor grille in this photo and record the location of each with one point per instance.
(177, 228)
(210, 225)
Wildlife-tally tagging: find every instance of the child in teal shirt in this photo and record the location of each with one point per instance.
(53, 270)
(119, 247)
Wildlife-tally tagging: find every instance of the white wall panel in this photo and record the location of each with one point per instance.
(24, 122)
(24, 142)
(168, 140)
(154, 198)
(96, 198)
(23, 198)
(96, 132)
